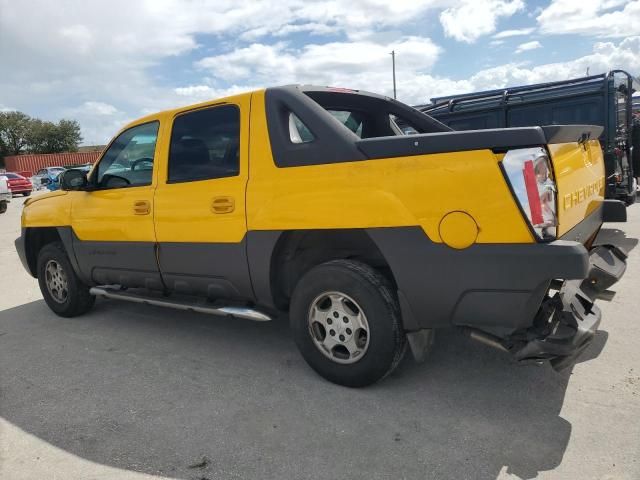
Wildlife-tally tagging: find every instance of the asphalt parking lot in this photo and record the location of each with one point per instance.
(130, 391)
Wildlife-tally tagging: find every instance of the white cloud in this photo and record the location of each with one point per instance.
(78, 37)
(6, 109)
(513, 33)
(470, 19)
(99, 108)
(196, 91)
(319, 63)
(105, 63)
(604, 57)
(601, 18)
(525, 47)
(200, 93)
(281, 65)
(361, 64)
(70, 52)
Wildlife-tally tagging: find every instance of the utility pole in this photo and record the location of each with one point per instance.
(393, 62)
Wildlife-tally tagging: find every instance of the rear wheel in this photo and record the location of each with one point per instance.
(346, 323)
(61, 288)
(3, 206)
(26, 194)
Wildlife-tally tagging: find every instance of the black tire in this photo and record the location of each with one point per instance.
(78, 299)
(26, 194)
(3, 207)
(373, 293)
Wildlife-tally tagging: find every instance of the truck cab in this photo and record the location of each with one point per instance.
(311, 201)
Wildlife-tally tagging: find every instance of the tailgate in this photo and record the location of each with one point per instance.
(579, 170)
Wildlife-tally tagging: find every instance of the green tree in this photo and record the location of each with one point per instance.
(69, 134)
(49, 137)
(14, 129)
(19, 133)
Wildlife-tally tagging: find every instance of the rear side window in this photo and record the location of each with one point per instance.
(298, 131)
(205, 144)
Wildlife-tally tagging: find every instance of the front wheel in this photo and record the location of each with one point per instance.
(3, 206)
(61, 288)
(346, 323)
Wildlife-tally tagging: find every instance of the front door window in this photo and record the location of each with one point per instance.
(129, 160)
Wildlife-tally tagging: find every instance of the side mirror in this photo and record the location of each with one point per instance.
(73, 180)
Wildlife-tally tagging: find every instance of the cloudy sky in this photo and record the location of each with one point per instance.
(107, 62)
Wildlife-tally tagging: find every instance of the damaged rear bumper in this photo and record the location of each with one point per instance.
(568, 318)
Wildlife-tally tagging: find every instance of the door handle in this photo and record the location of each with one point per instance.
(223, 205)
(141, 207)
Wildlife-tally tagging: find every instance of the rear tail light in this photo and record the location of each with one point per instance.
(529, 172)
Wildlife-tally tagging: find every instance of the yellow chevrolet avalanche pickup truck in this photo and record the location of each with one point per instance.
(312, 201)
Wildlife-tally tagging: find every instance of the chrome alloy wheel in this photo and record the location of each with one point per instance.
(338, 327)
(56, 281)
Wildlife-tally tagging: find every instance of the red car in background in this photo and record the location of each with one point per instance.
(19, 184)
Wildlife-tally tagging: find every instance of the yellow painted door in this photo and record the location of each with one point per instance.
(200, 219)
(113, 222)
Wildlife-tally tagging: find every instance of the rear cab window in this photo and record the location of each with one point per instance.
(363, 123)
(364, 115)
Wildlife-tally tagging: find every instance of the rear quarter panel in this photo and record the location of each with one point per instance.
(402, 191)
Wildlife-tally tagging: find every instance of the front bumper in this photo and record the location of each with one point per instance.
(566, 322)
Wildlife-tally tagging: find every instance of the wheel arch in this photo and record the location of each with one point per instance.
(35, 238)
(279, 259)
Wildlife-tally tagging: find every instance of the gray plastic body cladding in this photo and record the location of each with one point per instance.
(333, 142)
(468, 140)
(494, 287)
(67, 236)
(571, 133)
(260, 248)
(587, 228)
(19, 243)
(614, 210)
(215, 270)
(132, 264)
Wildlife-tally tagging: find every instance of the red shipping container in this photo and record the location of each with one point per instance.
(33, 162)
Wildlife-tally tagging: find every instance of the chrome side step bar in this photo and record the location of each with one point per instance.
(116, 293)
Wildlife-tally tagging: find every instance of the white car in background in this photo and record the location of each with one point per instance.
(5, 193)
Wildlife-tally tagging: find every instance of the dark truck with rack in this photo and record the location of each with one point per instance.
(605, 100)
